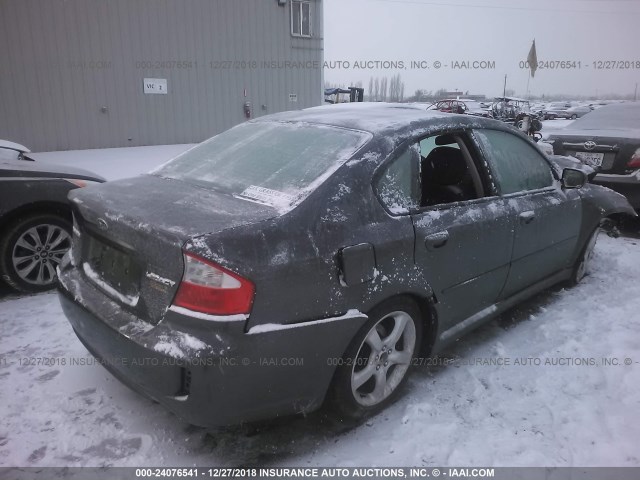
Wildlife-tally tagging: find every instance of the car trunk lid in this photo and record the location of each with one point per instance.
(609, 151)
(132, 250)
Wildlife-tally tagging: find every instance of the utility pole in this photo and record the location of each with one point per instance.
(504, 90)
(635, 94)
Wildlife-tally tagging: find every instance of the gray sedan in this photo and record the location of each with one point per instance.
(313, 257)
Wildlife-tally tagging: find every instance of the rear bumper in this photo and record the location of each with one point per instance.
(627, 185)
(209, 373)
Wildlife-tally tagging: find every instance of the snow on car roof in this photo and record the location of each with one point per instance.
(367, 116)
(13, 146)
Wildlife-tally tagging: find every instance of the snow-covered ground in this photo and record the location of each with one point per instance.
(462, 414)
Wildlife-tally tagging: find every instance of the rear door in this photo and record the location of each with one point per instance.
(546, 217)
(463, 242)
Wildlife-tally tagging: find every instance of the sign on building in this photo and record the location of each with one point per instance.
(155, 86)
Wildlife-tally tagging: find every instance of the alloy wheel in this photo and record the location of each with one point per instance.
(383, 358)
(38, 251)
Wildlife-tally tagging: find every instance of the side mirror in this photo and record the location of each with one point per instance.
(573, 178)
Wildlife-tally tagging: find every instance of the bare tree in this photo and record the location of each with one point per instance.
(393, 89)
(396, 89)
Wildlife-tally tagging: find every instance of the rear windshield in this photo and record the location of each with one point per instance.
(274, 163)
(612, 117)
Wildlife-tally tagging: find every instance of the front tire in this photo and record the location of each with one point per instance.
(31, 249)
(574, 116)
(377, 362)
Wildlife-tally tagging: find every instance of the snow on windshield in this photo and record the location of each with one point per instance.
(273, 163)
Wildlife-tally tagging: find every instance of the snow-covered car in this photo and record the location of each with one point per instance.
(608, 139)
(557, 110)
(35, 218)
(13, 151)
(577, 112)
(477, 108)
(315, 255)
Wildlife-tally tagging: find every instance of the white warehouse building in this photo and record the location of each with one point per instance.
(81, 74)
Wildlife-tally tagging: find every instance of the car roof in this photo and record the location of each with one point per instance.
(13, 146)
(377, 118)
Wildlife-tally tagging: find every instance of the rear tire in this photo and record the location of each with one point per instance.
(574, 116)
(31, 249)
(378, 359)
(581, 267)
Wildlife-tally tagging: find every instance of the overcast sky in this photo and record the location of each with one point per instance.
(499, 31)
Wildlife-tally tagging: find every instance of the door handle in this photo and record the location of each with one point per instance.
(527, 217)
(436, 240)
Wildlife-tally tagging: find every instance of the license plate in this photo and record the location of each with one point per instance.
(116, 267)
(590, 158)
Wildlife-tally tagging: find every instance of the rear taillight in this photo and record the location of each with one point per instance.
(209, 288)
(635, 160)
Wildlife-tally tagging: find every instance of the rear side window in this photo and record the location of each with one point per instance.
(399, 186)
(516, 164)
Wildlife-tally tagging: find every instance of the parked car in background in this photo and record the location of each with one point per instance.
(13, 151)
(347, 238)
(607, 139)
(35, 217)
(577, 112)
(477, 108)
(449, 105)
(556, 110)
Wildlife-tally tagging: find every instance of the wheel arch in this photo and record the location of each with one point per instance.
(429, 321)
(36, 208)
(428, 314)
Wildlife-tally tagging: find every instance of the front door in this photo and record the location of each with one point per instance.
(547, 219)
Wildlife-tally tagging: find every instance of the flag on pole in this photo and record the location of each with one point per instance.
(532, 59)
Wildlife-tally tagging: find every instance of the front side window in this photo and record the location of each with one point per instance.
(300, 18)
(517, 165)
